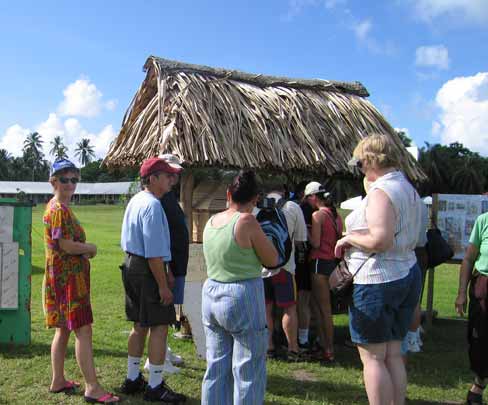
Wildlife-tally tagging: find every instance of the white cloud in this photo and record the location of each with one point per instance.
(83, 99)
(296, 7)
(463, 103)
(362, 29)
(436, 56)
(13, 139)
(471, 11)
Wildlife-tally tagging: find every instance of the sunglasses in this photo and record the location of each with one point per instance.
(66, 180)
(354, 162)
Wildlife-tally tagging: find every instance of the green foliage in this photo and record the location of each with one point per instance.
(84, 151)
(58, 150)
(453, 169)
(406, 140)
(95, 172)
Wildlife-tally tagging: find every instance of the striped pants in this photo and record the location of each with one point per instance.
(234, 318)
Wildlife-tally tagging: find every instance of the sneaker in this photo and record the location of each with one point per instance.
(181, 335)
(168, 367)
(304, 347)
(327, 358)
(174, 358)
(412, 343)
(419, 339)
(164, 394)
(133, 386)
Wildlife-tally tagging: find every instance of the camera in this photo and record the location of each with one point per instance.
(266, 203)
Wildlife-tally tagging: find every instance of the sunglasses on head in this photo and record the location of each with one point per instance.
(66, 180)
(355, 162)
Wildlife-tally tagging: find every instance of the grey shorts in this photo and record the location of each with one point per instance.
(142, 301)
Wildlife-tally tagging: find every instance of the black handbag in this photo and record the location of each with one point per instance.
(438, 250)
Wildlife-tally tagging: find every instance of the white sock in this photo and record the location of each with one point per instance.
(303, 336)
(155, 374)
(133, 367)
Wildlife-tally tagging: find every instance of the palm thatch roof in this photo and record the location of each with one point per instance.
(227, 118)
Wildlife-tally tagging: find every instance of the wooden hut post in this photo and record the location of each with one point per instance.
(186, 198)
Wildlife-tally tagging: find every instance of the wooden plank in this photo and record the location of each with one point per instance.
(430, 272)
(186, 198)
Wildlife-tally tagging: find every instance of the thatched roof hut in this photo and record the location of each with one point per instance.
(226, 118)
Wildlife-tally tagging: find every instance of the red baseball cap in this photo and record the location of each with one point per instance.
(154, 165)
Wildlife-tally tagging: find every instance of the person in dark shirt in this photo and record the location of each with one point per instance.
(180, 241)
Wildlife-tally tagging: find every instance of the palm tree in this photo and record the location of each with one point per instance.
(5, 162)
(33, 154)
(84, 151)
(33, 145)
(58, 150)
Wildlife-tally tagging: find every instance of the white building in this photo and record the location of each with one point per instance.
(40, 192)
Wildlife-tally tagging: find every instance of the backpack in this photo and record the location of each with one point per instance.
(273, 223)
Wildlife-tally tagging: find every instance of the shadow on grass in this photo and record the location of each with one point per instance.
(37, 270)
(41, 349)
(313, 390)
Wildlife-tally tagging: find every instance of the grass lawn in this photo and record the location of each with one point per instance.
(438, 375)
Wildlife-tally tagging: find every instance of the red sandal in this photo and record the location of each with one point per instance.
(69, 388)
(104, 399)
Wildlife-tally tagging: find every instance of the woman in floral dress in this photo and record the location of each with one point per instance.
(66, 292)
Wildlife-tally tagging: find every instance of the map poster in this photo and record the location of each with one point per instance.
(456, 214)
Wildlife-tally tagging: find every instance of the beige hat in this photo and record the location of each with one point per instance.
(314, 187)
(172, 160)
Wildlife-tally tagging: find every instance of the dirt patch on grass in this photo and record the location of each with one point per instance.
(304, 375)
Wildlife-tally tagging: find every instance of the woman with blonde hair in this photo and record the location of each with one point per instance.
(66, 286)
(380, 241)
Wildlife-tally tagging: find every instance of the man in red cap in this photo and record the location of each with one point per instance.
(147, 282)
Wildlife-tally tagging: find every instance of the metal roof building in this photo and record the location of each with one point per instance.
(42, 191)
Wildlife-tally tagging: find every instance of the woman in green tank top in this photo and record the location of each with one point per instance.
(233, 307)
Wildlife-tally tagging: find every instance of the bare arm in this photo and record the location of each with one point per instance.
(157, 267)
(381, 220)
(77, 248)
(264, 248)
(465, 272)
(316, 230)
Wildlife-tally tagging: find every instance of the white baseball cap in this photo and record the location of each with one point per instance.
(314, 187)
(172, 160)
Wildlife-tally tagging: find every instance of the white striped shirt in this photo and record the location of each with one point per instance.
(395, 263)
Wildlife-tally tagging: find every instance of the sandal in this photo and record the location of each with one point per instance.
(327, 358)
(69, 388)
(107, 398)
(293, 357)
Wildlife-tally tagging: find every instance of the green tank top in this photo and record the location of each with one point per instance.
(226, 261)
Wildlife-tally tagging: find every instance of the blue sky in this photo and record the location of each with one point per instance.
(71, 68)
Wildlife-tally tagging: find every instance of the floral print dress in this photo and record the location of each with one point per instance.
(66, 286)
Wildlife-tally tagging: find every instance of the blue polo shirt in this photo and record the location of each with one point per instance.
(145, 230)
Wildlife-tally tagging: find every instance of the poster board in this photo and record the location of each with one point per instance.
(454, 215)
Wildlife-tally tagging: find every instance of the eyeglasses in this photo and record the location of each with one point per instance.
(66, 180)
(355, 162)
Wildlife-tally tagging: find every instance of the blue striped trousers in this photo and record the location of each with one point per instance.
(234, 318)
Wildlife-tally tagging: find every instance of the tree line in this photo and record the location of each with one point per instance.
(32, 165)
(451, 169)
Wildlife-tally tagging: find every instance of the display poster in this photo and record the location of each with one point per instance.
(456, 214)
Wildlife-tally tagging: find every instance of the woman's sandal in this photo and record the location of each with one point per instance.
(327, 358)
(107, 398)
(69, 388)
